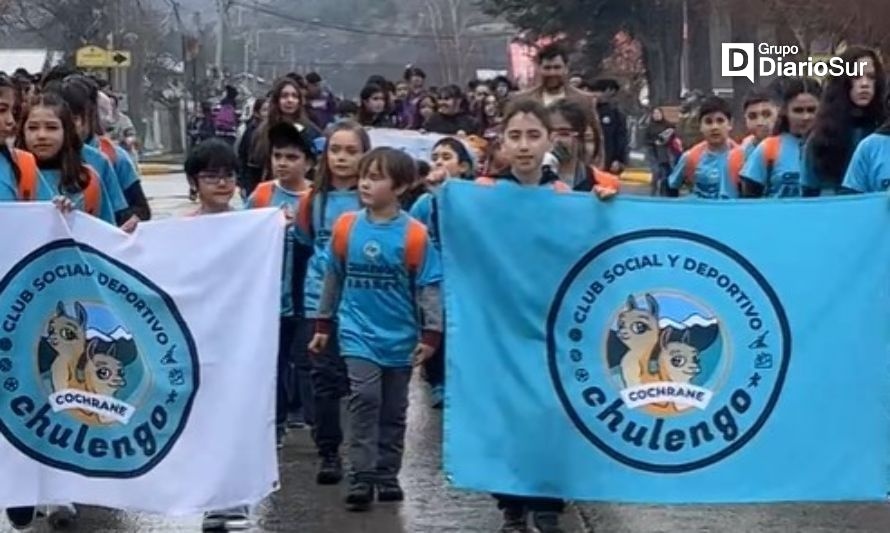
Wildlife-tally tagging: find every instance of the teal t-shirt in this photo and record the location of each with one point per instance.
(711, 178)
(782, 178)
(325, 211)
(124, 168)
(377, 316)
(869, 169)
(290, 200)
(111, 186)
(49, 189)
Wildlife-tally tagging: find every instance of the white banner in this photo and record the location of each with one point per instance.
(417, 144)
(138, 371)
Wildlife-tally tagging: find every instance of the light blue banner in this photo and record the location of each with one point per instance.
(667, 351)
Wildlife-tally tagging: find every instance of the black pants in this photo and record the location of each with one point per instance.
(304, 399)
(330, 383)
(434, 368)
(287, 334)
(523, 503)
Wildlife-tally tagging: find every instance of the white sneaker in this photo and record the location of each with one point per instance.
(234, 519)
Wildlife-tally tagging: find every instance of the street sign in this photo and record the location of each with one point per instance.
(92, 57)
(119, 59)
(96, 57)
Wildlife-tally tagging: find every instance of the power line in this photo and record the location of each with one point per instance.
(351, 29)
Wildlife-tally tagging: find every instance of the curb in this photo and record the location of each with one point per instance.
(637, 176)
(157, 169)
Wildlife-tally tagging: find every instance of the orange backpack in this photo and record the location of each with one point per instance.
(106, 146)
(736, 158)
(695, 154)
(262, 195)
(29, 176)
(415, 241)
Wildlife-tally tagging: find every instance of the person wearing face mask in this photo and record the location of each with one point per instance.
(452, 117)
(851, 109)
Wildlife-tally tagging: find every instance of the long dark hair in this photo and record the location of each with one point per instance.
(791, 89)
(260, 149)
(365, 117)
(82, 96)
(578, 118)
(74, 175)
(418, 118)
(830, 142)
(7, 82)
(323, 181)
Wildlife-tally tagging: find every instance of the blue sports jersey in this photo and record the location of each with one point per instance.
(782, 178)
(377, 317)
(711, 179)
(123, 165)
(749, 146)
(49, 189)
(111, 186)
(336, 203)
(290, 200)
(9, 191)
(869, 169)
(423, 210)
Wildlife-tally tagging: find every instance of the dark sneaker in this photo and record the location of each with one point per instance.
(280, 435)
(437, 397)
(360, 496)
(390, 491)
(546, 522)
(330, 471)
(61, 516)
(20, 517)
(514, 521)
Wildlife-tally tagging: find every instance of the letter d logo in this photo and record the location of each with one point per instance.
(738, 60)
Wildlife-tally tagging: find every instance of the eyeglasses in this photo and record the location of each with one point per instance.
(216, 178)
(565, 133)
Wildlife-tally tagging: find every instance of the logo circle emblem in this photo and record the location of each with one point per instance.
(372, 250)
(99, 369)
(668, 350)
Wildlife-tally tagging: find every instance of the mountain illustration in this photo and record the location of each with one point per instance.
(692, 320)
(122, 341)
(117, 335)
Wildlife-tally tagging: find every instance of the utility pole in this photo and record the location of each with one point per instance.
(220, 33)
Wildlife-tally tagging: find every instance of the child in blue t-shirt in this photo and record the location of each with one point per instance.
(334, 194)
(291, 157)
(451, 160)
(774, 169)
(869, 169)
(705, 168)
(760, 120)
(382, 267)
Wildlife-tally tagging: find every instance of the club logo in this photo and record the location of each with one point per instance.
(99, 370)
(673, 370)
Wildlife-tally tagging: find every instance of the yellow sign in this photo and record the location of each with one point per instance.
(96, 57)
(92, 57)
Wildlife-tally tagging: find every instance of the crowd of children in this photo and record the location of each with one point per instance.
(361, 304)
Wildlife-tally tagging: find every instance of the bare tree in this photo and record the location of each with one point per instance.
(450, 23)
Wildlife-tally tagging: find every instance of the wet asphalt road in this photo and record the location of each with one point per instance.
(431, 506)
